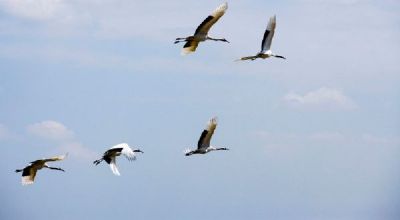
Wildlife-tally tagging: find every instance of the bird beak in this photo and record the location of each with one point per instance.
(139, 151)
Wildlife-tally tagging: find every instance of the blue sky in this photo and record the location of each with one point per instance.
(316, 136)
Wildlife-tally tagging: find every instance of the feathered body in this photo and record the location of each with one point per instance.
(266, 43)
(201, 33)
(120, 149)
(29, 172)
(203, 145)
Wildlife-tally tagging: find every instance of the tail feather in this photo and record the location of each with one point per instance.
(27, 180)
(189, 47)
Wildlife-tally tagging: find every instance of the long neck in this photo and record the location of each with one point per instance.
(220, 148)
(53, 168)
(278, 56)
(212, 148)
(216, 39)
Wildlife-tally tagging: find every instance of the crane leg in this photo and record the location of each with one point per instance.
(96, 162)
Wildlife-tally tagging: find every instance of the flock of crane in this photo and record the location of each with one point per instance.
(201, 34)
(203, 145)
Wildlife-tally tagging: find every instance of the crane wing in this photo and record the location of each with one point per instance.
(128, 153)
(205, 26)
(112, 152)
(189, 47)
(113, 166)
(268, 35)
(56, 158)
(205, 138)
(28, 175)
(122, 145)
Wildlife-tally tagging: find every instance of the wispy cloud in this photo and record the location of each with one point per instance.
(321, 98)
(34, 9)
(51, 130)
(109, 19)
(64, 137)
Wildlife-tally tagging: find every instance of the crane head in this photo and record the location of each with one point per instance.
(188, 152)
(138, 150)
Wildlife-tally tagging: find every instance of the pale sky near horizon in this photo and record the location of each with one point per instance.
(312, 137)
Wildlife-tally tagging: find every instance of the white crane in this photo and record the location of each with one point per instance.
(203, 145)
(117, 150)
(29, 172)
(266, 43)
(201, 33)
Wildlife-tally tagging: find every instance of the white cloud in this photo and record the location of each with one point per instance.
(321, 98)
(110, 19)
(51, 130)
(34, 9)
(64, 137)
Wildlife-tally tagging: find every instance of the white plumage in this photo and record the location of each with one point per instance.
(120, 149)
(113, 167)
(266, 42)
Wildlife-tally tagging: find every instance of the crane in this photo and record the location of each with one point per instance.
(201, 33)
(29, 172)
(266, 43)
(203, 145)
(120, 149)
